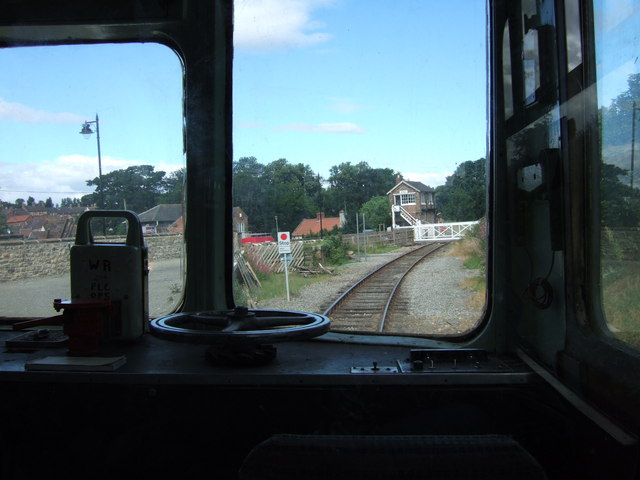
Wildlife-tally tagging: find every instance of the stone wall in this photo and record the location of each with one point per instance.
(37, 258)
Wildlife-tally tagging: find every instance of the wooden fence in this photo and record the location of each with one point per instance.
(265, 258)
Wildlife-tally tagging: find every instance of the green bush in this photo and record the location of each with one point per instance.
(473, 247)
(335, 249)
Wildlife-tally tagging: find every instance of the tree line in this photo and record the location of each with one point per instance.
(619, 123)
(29, 202)
(288, 191)
(292, 192)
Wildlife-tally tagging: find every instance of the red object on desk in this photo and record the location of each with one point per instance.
(86, 322)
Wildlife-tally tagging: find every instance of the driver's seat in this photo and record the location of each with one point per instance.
(315, 457)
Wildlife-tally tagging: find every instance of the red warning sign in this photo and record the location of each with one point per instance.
(284, 242)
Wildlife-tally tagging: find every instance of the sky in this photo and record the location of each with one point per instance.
(319, 82)
(617, 24)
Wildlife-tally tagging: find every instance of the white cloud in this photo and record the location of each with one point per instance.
(18, 112)
(263, 25)
(65, 176)
(344, 105)
(342, 127)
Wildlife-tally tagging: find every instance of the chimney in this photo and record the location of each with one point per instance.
(398, 179)
(320, 216)
(342, 219)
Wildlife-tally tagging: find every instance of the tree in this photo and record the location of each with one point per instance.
(70, 202)
(617, 118)
(138, 188)
(463, 196)
(292, 189)
(289, 191)
(3, 217)
(249, 193)
(619, 203)
(5, 205)
(174, 187)
(377, 212)
(293, 192)
(351, 186)
(618, 146)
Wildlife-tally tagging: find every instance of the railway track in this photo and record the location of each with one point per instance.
(366, 306)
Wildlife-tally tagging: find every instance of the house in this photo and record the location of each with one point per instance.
(16, 221)
(159, 218)
(313, 226)
(42, 223)
(240, 222)
(177, 226)
(411, 203)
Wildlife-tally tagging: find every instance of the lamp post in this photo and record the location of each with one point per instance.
(86, 133)
(633, 139)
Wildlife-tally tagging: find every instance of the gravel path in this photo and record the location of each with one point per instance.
(440, 304)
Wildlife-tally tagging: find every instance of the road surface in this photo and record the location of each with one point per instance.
(33, 297)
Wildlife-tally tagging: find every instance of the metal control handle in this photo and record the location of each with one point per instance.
(134, 233)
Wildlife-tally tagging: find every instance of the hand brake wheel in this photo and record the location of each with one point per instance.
(240, 336)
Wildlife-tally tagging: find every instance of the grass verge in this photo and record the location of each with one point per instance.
(621, 300)
(471, 249)
(273, 286)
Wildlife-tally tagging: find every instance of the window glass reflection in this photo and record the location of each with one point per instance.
(617, 49)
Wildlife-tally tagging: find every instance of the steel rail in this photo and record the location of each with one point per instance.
(392, 295)
(378, 273)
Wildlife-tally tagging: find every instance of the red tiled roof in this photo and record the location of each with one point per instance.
(177, 226)
(312, 226)
(19, 218)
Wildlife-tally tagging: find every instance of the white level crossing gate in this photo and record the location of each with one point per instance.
(441, 231)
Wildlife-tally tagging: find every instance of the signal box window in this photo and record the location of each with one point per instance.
(408, 199)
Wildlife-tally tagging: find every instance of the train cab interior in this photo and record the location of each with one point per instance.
(547, 384)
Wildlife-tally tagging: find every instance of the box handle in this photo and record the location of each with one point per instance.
(134, 234)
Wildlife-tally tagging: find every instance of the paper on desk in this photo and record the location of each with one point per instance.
(84, 364)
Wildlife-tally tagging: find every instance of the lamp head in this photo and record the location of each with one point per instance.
(86, 130)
